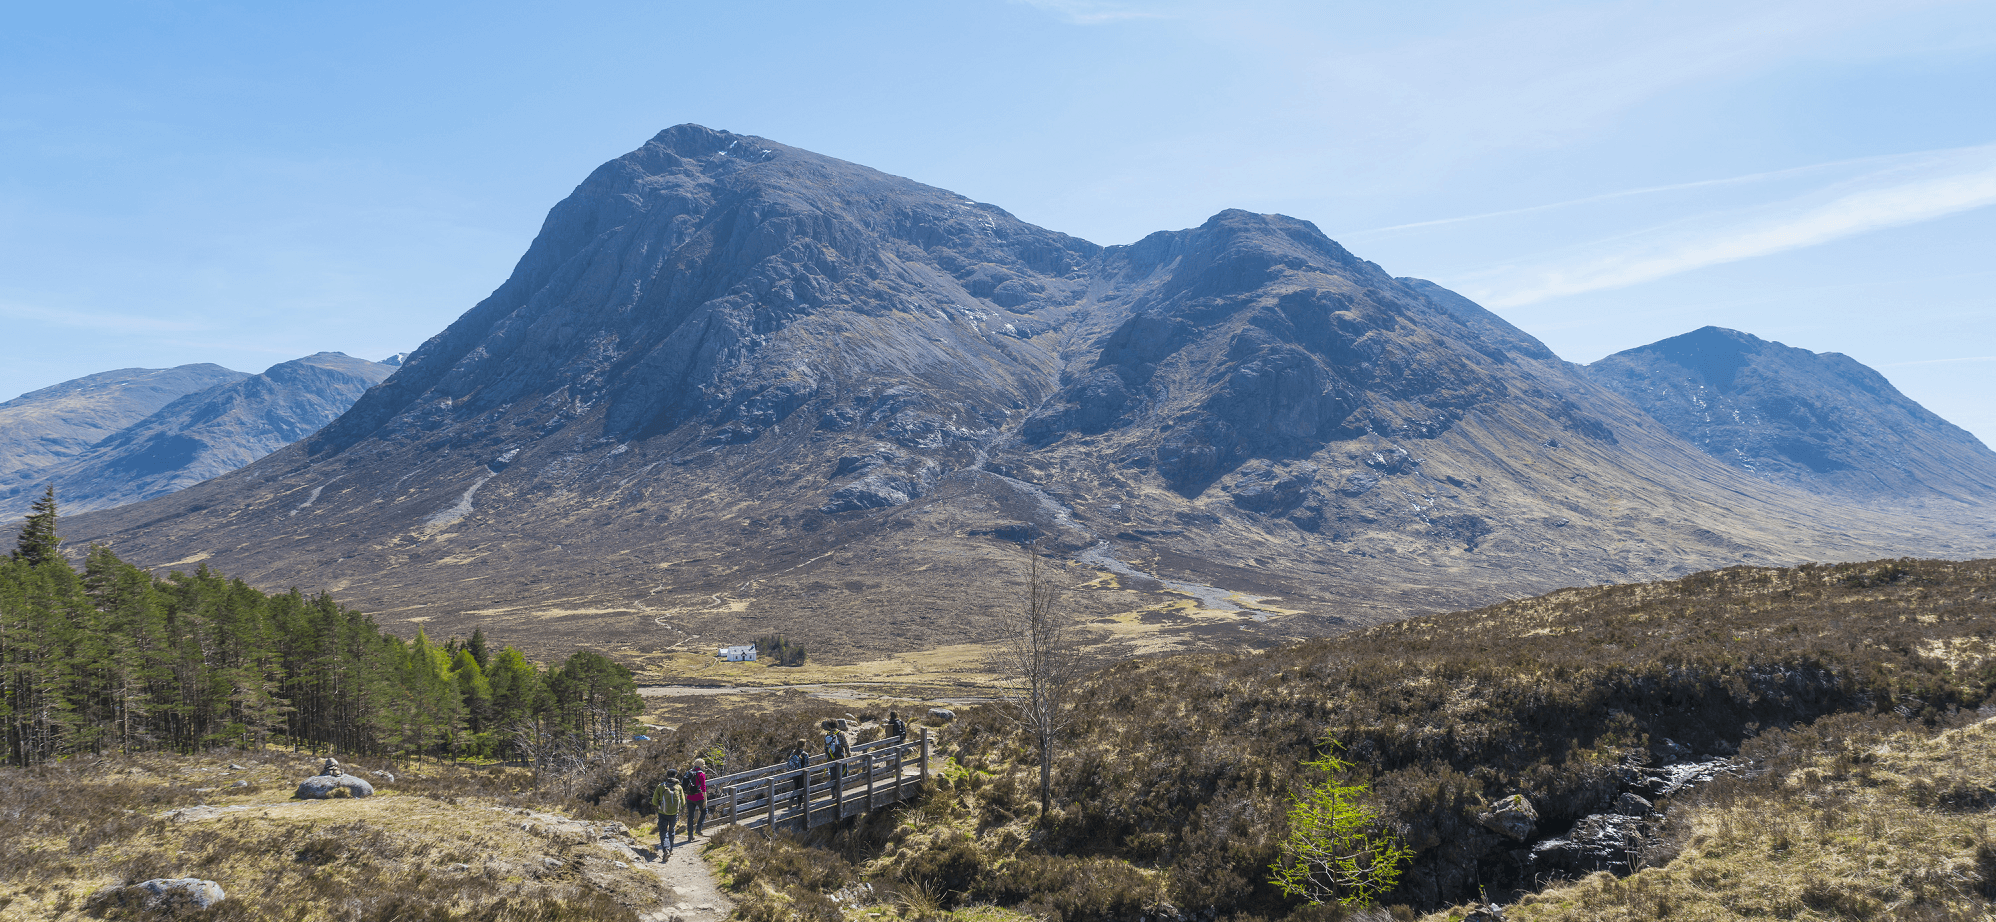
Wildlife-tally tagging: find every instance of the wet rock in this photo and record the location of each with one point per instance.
(1513, 817)
(1633, 805)
(1602, 842)
(1669, 750)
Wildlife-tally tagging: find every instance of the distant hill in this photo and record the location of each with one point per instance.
(1820, 421)
(736, 388)
(203, 434)
(43, 428)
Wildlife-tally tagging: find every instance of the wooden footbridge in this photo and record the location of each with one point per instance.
(879, 773)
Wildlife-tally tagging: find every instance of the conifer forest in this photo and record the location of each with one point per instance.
(116, 659)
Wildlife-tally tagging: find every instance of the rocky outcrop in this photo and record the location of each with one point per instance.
(159, 897)
(1512, 817)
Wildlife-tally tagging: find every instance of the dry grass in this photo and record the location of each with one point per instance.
(416, 850)
(1871, 823)
(1180, 770)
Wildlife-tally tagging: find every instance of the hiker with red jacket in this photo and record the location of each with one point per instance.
(695, 781)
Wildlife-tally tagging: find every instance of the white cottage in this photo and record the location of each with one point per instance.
(742, 653)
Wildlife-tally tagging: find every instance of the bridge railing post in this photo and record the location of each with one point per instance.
(928, 752)
(769, 787)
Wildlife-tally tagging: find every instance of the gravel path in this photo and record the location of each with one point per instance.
(691, 893)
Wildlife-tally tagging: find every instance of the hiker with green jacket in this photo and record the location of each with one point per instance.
(668, 801)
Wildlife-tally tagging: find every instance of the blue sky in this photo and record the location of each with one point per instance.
(247, 183)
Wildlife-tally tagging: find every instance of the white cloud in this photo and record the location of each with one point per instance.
(95, 320)
(1093, 12)
(1914, 188)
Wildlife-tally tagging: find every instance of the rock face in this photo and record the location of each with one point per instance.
(735, 387)
(321, 787)
(203, 434)
(1816, 420)
(44, 428)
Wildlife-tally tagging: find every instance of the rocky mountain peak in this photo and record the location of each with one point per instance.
(1822, 421)
(735, 387)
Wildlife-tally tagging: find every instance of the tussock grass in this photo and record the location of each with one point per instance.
(80, 828)
(1180, 770)
(1852, 820)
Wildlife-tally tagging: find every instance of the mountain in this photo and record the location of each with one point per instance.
(205, 433)
(1820, 421)
(735, 388)
(42, 428)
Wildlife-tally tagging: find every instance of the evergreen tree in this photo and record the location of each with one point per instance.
(39, 543)
(477, 648)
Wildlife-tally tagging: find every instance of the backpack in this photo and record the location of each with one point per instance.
(897, 727)
(799, 759)
(668, 800)
(689, 785)
(835, 745)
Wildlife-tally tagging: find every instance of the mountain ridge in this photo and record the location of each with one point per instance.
(1821, 421)
(735, 388)
(205, 433)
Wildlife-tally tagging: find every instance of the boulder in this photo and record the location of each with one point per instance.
(384, 775)
(1513, 816)
(160, 896)
(322, 787)
(1633, 805)
(943, 714)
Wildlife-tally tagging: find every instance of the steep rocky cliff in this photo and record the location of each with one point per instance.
(735, 387)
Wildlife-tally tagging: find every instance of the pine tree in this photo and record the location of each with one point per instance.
(39, 543)
(477, 648)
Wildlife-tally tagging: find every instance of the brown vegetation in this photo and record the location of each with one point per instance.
(440, 844)
(1180, 771)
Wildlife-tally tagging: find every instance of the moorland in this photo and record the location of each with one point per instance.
(1837, 714)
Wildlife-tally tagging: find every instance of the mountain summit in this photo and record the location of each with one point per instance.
(736, 388)
(1820, 421)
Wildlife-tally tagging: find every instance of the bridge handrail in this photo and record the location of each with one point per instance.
(880, 747)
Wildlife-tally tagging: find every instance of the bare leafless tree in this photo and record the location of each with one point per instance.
(1040, 655)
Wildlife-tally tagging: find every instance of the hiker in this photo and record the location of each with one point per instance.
(667, 801)
(798, 760)
(896, 727)
(695, 783)
(836, 748)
